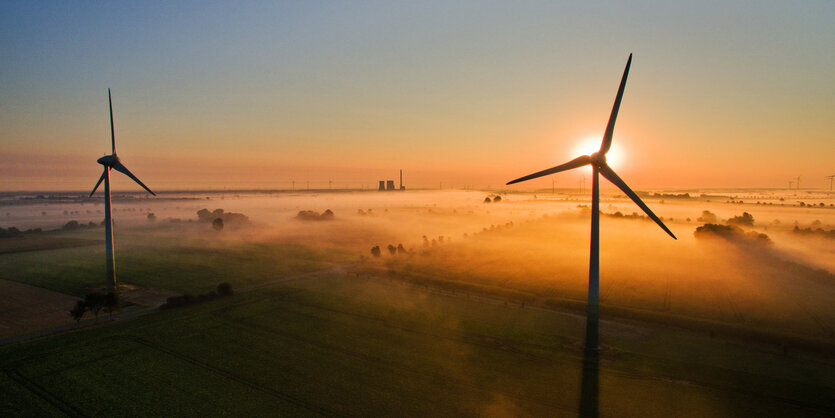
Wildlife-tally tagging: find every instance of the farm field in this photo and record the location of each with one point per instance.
(25, 308)
(163, 261)
(467, 309)
(348, 345)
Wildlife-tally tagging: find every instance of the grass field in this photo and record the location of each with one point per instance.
(346, 345)
(186, 265)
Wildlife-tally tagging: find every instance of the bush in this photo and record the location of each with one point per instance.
(309, 215)
(729, 232)
(224, 289)
(203, 215)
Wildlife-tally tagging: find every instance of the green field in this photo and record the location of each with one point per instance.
(346, 345)
(185, 265)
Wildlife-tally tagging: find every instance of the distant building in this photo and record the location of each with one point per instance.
(382, 186)
(390, 185)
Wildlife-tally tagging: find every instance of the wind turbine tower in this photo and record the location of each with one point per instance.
(830, 181)
(112, 162)
(599, 167)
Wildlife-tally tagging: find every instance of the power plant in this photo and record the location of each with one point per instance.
(388, 185)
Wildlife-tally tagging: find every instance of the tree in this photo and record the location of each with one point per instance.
(78, 311)
(375, 251)
(224, 289)
(392, 249)
(745, 219)
(401, 249)
(707, 217)
(487, 199)
(111, 303)
(217, 224)
(94, 302)
(152, 217)
(497, 199)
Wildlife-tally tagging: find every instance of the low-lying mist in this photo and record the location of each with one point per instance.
(535, 245)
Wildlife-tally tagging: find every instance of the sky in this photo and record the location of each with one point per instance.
(222, 95)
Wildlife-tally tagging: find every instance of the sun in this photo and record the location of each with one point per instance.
(591, 144)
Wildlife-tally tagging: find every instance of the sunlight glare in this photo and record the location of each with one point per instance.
(591, 144)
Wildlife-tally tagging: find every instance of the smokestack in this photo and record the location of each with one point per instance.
(401, 179)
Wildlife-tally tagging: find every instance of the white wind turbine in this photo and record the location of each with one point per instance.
(112, 162)
(599, 166)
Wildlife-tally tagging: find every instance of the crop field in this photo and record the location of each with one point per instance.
(25, 308)
(164, 262)
(347, 345)
(465, 309)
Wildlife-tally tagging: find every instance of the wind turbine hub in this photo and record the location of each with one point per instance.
(108, 160)
(598, 159)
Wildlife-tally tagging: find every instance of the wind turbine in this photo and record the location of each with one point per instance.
(112, 162)
(830, 181)
(599, 166)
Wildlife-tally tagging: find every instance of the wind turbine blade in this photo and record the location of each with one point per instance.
(577, 162)
(101, 179)
(610, 128)
(112, 133)
(124, 170)
(607, 172)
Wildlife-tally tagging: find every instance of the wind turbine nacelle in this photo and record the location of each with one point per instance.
(598, 159)
(108, 160)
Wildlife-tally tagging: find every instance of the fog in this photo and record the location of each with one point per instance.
(537, 245)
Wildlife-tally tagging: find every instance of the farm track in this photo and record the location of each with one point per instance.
(58, 403)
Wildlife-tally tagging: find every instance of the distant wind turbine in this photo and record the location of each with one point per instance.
(112, 162)
(830, 181)
(599, 166)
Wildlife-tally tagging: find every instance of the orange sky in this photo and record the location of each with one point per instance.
(468, 95)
